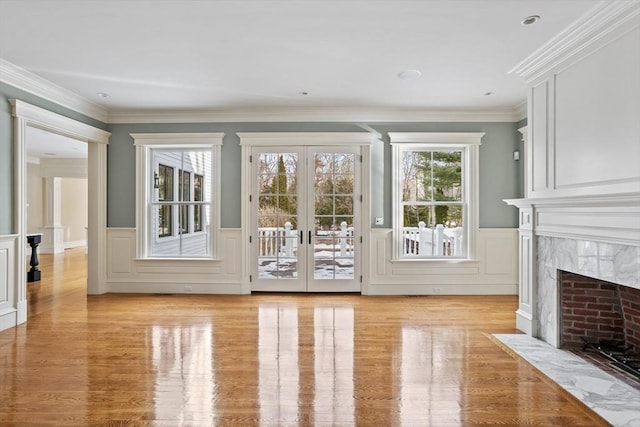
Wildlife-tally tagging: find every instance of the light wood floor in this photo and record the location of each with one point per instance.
(266, 359)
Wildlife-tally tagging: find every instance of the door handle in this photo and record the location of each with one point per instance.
(309, 236)
(301, 237)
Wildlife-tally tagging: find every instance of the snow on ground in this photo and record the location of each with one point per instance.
(328, 265)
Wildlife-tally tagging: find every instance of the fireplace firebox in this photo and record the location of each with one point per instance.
(601, 317)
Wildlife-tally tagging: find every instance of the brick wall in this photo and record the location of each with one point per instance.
(590, 308)
(630, 304)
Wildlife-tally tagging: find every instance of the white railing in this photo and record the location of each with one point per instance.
(283, 241)
(438, 241)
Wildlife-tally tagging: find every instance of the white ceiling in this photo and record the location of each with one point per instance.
(43, 144)
(262, 54)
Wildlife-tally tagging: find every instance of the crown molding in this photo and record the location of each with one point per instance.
(25, 80)
(520, 110)
(605, 20)
(357, 115)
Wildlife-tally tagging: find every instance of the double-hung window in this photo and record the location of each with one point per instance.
(177, 187)
(435, 193)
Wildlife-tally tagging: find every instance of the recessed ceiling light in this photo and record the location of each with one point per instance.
(409, 74)
(103, 95)
(50, 154)
(530, 20)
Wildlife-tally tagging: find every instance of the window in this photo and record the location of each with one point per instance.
(434, 195)
(176, 178)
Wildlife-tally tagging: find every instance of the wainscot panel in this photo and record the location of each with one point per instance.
(125, 273)
(8, 309)
(494, 271)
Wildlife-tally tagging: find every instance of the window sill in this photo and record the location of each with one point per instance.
(433, 260)
(209, 259)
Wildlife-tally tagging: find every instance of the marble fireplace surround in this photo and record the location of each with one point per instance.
(613, 263)
(594, 236)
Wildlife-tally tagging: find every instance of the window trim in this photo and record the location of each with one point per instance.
(144, 143)
(470, 143)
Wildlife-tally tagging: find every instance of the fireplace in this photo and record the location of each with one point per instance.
(600, 317)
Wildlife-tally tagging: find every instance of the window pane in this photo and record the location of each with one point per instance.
(183, 178)
(198, 187)
(431, 201)
(164, 220)
(165, 183)
(421, 237)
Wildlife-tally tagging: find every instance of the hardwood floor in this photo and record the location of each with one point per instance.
(266, 359)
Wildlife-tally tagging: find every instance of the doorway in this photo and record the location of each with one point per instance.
(27, 115)
(306, 216)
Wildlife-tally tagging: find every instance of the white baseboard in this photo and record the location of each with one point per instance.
(75, 244)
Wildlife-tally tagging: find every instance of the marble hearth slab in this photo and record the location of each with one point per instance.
(612, 399)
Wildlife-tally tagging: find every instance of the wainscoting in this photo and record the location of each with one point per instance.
(125, 273)
(493, 272)
(8, 308)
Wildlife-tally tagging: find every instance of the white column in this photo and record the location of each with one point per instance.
(53, 236)
(526, 315)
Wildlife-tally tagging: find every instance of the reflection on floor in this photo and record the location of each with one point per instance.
(612, 399)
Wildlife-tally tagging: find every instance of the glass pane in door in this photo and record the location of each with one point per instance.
(333, 243)
(277, 218)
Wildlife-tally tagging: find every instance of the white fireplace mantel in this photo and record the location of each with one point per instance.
(597, 236)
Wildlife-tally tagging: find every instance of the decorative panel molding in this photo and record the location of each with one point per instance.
(8, 307)
(584, 108)
(125, 273)
(596, 119)
(493, 272)
(539, 147)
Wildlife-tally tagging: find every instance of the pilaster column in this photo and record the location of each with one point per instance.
(526, 315)
(53, 236)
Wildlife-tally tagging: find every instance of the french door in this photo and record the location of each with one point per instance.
(305, 219)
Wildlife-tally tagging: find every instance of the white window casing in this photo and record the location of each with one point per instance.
(468, 143)
(148, 146)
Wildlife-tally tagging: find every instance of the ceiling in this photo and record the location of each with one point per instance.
(198, 55)
(42, 144)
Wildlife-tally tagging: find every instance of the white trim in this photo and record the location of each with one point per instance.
(24, 80)
(304, 138)
(144, 142)
(337, 114)
(601, 21)
(29, 115)
(521, 110)
(74, 244)
(468, 141)
(613, 219)
(181, 139)
(44, 119)
(466, 138)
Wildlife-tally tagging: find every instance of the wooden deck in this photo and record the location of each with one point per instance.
(266, 359)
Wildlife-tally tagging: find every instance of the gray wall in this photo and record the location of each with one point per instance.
(500, 176)
(499, 173)
(6, 145)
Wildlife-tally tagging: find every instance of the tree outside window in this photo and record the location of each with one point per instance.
(165, 194)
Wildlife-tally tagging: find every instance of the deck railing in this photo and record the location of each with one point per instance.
(438, 241)
(283, 241)
(417, 241)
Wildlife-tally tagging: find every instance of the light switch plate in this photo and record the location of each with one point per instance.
(379, 221)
